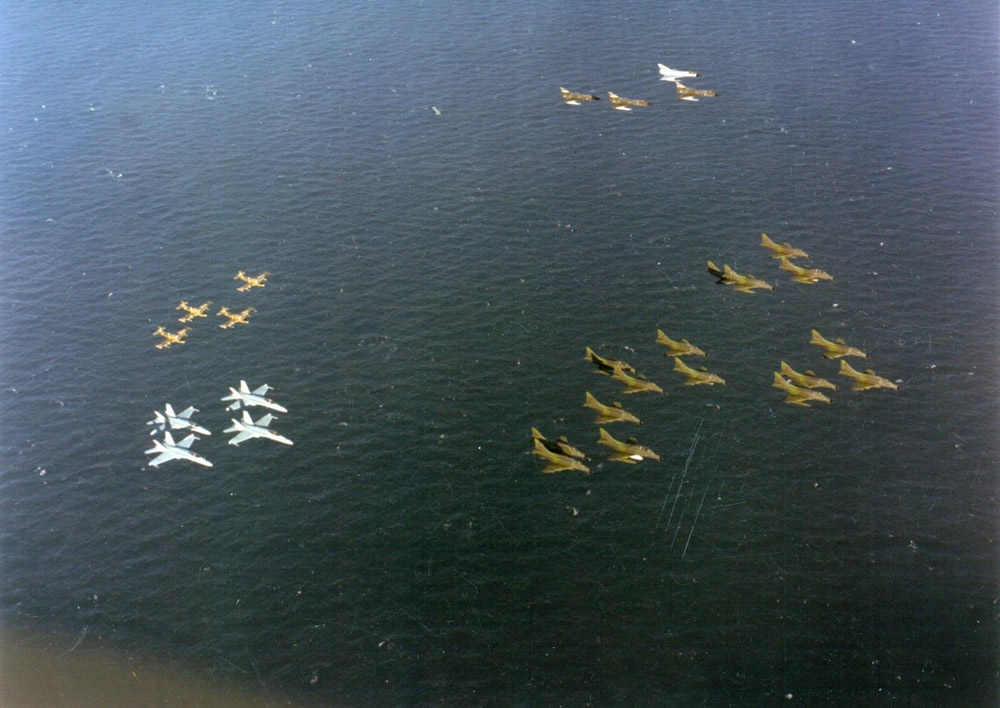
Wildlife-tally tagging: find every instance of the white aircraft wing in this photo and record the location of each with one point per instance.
(186, 442)
(161, 458)
(237, 439)
(262, 390)
(265, 420)
(187, 412)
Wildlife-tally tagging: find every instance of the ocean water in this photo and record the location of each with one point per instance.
(434, 281)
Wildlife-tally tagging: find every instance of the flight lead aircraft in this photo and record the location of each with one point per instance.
(247, 398)
(175, 421)
(169, 450)
(247, 429)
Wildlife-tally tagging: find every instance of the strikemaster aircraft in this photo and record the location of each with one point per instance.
(247, 429)
(170, 338)
(235, 318)
(251, 281)
(169, 450)
(245, 397)
(175, 421)
(191, 311)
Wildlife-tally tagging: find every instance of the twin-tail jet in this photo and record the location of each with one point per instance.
(250, 281)
(170, 338)
(807, 276)
(781, 249)
(696, 377)
(675, 348)
(620, 103)
(607, 366)
(571, 98)
(235, 318)
(836, 348)
(560, 446)
(245, 397)
(247, 429)
(797, 395)
(169, 450)
(629, 452)
(806, 380)
(635, 384)
(686, 93)
(175, 421)
(191, 311)
(865, 380)
(609, 414)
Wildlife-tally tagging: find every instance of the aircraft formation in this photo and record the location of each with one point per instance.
(620, 103)
(190, 312)
(800, 388)
(245, 428)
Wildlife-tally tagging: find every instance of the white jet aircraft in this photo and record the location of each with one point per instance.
(247, 429)
(169, 450)
(175, 421)
(668, 74)
(248, 398)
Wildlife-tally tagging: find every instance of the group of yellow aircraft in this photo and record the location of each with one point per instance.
(192, 312)
(784, 252)
(620, 103)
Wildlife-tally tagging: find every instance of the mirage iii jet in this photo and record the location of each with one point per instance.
(247, 429)
(169, 450)
(246, 397)
(175, 421)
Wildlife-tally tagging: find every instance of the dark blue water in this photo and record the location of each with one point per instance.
(434, 282)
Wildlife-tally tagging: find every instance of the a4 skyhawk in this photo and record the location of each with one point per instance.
(175, 421)
(635, 384)
(620, 103)
(609, 414)
(245, 397)
(251, 281)
(559, 446)
(170, 338)
(781, 249)
(607, 366)
(836, 348)
(559, 454)
(675, 348)
(191, 312)
(742, 283)
(806, 380)
(629, 452)
(865, 380)
(235, 318)
(797, 395)
(696, 377)
(571, 98)
(169, 450)
(247, 429)
(807, 276)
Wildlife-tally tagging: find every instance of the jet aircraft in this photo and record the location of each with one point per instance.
(245, 397)
(571, 98)
(781, 249)
(629, 452)
(191, 312)
(635, 384)
(247, 429)
(250, 281)
(607, 366)
(235, 318)
(609, 414)
(681, 348)
(556, 460)
(696, 377)
(175, 421)
(668, 74)
(866, 380)
(620, 103)
(797, 395)
(169, 450)
(560, 446)
(686, 93)
(807, 276)
(743, 283)
(806, 380)
(836, 348)
(170, 338)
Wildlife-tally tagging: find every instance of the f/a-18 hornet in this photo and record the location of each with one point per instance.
(169, 450)
(175, 421)
(191, 311)
(235, 318)
(250, 281)
(170, 338)
(245, 397)
(247, 429)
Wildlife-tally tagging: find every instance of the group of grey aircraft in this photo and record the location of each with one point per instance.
(620, 103)
(192, 312)
(244, 428)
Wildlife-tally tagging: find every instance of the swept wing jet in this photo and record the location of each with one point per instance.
(169, 450)
(806, 380)
(696, 377)
(836, 348)
(245, 397)
(609, 414)
(571, 98)
(807, 276)
(556, 460)
(797, 396)
(247, 429)
(629, 452)
(560, 446)
(681, 348)
(607, 366)
(781, 249)
(634, 384)
(175, 421)
(743, 283)
(867, 379)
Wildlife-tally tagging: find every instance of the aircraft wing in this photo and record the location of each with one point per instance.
(265, 420)
(187, 412)
(186, 442)
(262, 390)
(161, 458)
(237, 439)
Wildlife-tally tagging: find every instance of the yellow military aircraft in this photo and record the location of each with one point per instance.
(250, 281)
(681, 348)
(607, 366)
(807, 276)
(806, 380)
(695, 377)
(635, 384)
(170, 338)
(620, 103)
(742, 283)
(836, 348)
(609, 414)
(571, 98)
(629, 452)
(686, 93)
(235, 318)
(557, 461)
(866, 380)
(191, 312)
(781, 249)
(797, 395)
(560, 446)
